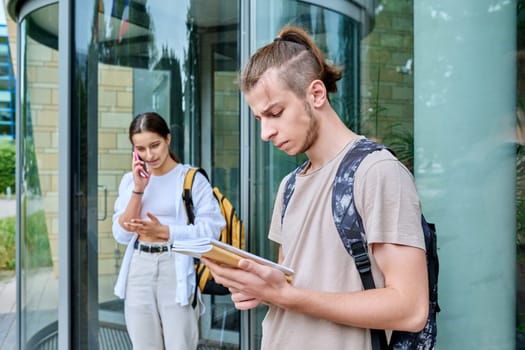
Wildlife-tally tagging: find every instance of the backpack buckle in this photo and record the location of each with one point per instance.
(362, 261)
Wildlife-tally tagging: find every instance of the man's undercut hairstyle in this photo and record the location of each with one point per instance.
(298, 60)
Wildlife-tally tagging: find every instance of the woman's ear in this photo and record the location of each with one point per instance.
(168, 139)
(317, 93)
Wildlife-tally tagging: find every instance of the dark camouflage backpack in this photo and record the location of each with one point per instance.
(351, 231)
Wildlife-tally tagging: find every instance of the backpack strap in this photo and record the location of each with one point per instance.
(348, 222)
(190, 214)
(186, 192)
(290, 187)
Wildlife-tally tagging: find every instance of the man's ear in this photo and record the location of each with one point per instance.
(317, 93)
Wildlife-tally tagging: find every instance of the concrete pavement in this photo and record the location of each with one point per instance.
(7, 207)
(7, 292)
(7, 310)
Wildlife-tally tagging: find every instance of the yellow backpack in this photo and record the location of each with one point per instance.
(232, 233)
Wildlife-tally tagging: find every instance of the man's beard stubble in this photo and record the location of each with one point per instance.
(313, 129)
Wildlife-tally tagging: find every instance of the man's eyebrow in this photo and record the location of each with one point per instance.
(269, 107)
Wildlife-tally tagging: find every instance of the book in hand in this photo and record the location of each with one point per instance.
(223, 253)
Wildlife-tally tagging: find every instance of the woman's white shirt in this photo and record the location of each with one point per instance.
(163, 198)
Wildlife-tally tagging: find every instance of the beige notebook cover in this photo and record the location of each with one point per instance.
(223, 253)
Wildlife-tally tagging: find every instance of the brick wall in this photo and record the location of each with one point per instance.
(115, 111)
(387, 93)
(114, 157)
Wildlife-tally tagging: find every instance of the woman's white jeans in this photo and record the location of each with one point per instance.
(153, 319)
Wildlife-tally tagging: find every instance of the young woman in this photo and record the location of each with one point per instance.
(158, 285)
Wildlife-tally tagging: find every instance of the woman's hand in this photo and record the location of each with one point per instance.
(140, 175)
(149, 230)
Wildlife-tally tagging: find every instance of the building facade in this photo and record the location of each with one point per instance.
(7, 85)
(437, 80)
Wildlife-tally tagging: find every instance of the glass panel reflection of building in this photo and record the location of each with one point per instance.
(7, 87)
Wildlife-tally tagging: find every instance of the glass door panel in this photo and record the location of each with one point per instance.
(38, 144)
(180, 62)
(220, 131)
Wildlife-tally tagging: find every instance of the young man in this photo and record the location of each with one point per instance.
(286, 83)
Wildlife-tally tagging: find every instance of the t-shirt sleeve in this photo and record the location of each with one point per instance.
(388, 202)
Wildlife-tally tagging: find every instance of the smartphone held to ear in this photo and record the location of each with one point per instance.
(142, 171)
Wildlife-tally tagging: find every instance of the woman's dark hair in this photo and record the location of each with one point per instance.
(299, 60)
(151, 122)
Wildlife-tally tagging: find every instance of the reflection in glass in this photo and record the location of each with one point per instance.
(39, 187)
(7, 88)
(180, 61)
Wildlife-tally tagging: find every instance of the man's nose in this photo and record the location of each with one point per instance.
(267, 130)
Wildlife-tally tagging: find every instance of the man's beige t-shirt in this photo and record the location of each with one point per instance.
(385, 197)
